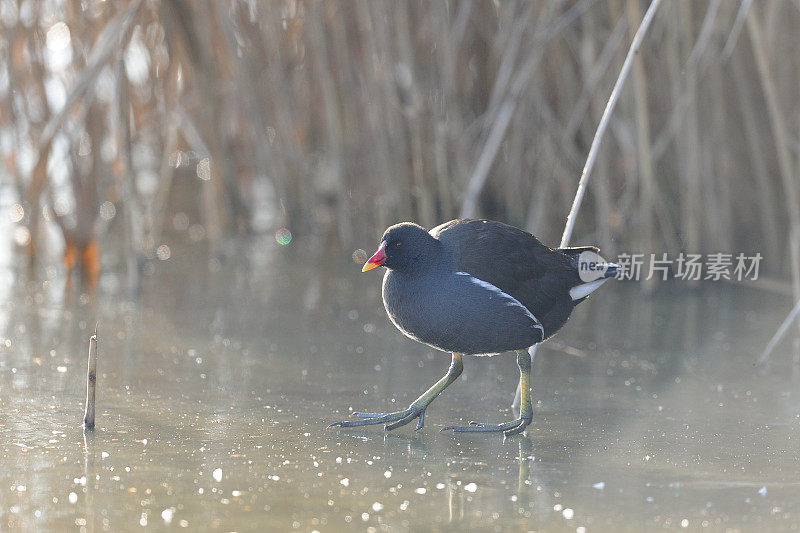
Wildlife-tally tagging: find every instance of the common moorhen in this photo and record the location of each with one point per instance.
(476, 287)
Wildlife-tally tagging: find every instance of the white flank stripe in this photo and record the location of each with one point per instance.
(582, 291)
(513, 302)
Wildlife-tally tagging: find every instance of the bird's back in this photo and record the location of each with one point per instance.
(517, 263)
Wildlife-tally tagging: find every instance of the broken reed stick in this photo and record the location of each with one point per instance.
(601, 128)
(91, 382)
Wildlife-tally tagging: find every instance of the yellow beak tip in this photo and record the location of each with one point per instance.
(369, 266)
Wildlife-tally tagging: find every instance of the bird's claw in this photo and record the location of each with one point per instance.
(508, 428)
(392, 420)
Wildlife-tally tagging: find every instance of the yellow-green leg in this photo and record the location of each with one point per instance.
(526, 408)
(415, 410)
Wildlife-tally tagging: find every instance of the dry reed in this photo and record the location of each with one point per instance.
(336, 119)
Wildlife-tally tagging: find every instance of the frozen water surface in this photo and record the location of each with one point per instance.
(215, 391)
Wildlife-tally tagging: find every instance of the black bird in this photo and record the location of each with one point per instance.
(478, 287)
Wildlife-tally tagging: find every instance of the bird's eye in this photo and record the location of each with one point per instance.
(398, 244)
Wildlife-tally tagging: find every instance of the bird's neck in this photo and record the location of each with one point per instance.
(436, 259)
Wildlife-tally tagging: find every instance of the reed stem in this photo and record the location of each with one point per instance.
(601, 128)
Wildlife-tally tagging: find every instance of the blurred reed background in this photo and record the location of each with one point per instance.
(336, 119)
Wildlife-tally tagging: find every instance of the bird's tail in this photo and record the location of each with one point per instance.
(592, 269)
(610, 269)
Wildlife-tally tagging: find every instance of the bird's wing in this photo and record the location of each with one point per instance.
(512, 260)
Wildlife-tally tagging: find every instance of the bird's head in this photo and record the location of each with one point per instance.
(405, 247)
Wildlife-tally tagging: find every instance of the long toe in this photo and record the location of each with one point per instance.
(359, 414)
(414, 413)
(369, 421)
(472, 423)
(421, 420)
(393, 420)
(516, 430)
(508, 428)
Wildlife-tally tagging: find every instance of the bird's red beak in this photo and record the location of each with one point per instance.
(377, 259)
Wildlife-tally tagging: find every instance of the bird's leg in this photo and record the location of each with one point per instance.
(415, 410)
(515, 404)
(524, 360)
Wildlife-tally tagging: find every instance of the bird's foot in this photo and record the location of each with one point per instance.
(392, 420)
(508, 428)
